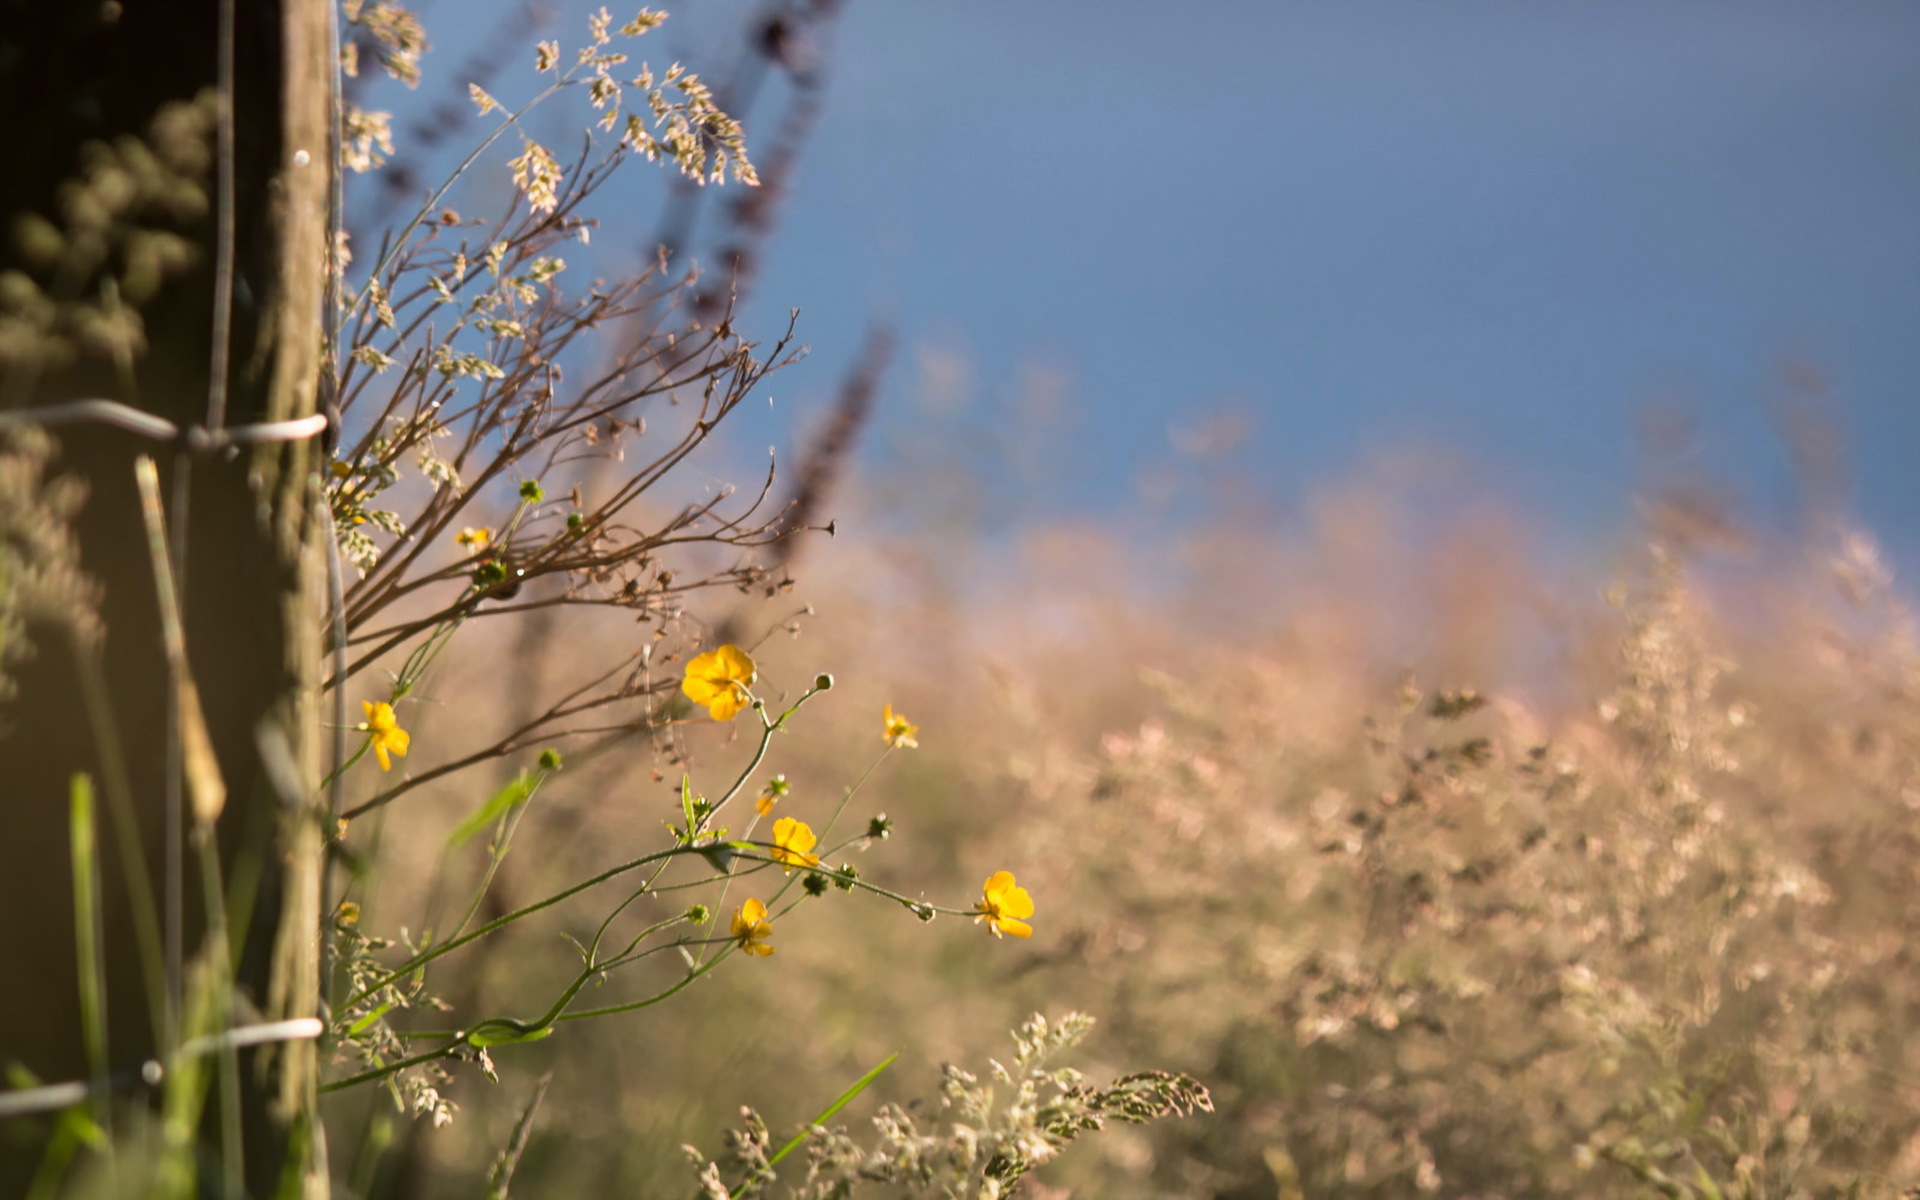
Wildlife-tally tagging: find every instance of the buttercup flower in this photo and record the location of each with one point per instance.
(475, 539)
(1003, 906)
(770, 794)
(751, 929)
(792, 839)
(898, 730)
(719, 679)
(388, 737)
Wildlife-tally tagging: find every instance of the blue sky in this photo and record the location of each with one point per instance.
(1503, 229)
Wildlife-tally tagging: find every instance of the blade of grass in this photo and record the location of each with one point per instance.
(148, 938)
(73, 1131)
(846, 1098)
(86, 936)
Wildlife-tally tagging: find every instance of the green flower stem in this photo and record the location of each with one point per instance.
(842, 806)
(657, 997)
(558, 1007)
(503, 841)
(457, 1041)
(340, 770)
(426, 956)
(422, 656)
(593, 947)
(876, 889)
(377, 1073)
(620, 960)
(768, 729)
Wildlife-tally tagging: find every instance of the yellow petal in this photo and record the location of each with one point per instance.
(753, 912)
(1014, 902)
(735, 663)
(702, 690)
(727, 702)
(896, 730)
(1019, 929)
(380, 752)
(791, 833)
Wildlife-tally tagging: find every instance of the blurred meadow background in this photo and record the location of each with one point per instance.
(1390, 519)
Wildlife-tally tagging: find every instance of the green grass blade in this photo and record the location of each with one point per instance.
(85, 848)
(846, 1098)
(124, 824)
(73, 1131)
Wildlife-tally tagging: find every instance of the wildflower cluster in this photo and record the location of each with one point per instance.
(722, 680)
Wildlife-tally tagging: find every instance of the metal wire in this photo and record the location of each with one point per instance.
(194, 439)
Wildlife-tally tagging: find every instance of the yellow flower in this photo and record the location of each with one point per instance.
(475, 539)
(752, 929)
(898, 730)
(770, 794)
(719, 680)
(1002, 906)
(388, 737)
(792, 839)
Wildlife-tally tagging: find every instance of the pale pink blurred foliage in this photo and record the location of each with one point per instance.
(1633, 917)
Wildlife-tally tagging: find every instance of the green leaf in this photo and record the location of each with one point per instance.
(845, 1099)
(686, 804)
(503, 802)
(508, 1036)
(361, 1025)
